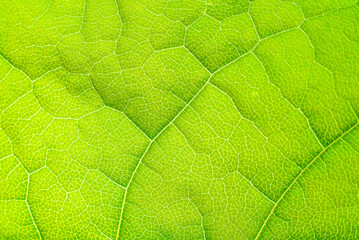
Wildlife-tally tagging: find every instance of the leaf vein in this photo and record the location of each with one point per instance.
(299, 175)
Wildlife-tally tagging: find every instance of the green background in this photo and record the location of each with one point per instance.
(179, 119)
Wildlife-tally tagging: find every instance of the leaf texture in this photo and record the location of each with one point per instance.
(179, 119)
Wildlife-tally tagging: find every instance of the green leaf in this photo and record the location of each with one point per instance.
(179, 119)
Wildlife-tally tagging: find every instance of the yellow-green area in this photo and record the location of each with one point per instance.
(179, 119)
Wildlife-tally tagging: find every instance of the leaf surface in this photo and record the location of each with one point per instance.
(179, 119)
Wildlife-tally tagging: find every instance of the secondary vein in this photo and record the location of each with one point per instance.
(299, 175)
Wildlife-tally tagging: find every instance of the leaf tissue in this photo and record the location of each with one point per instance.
(179, 119)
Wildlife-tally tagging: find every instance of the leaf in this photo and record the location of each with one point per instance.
(179, 119)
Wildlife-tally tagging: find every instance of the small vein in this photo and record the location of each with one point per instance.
(289, 102)
(200, 214)
(27, 188)
(298, 176)
(126, 189)
(28, 206)
(118, 110)
(12, 65)
(265, 196)
(149, 146)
